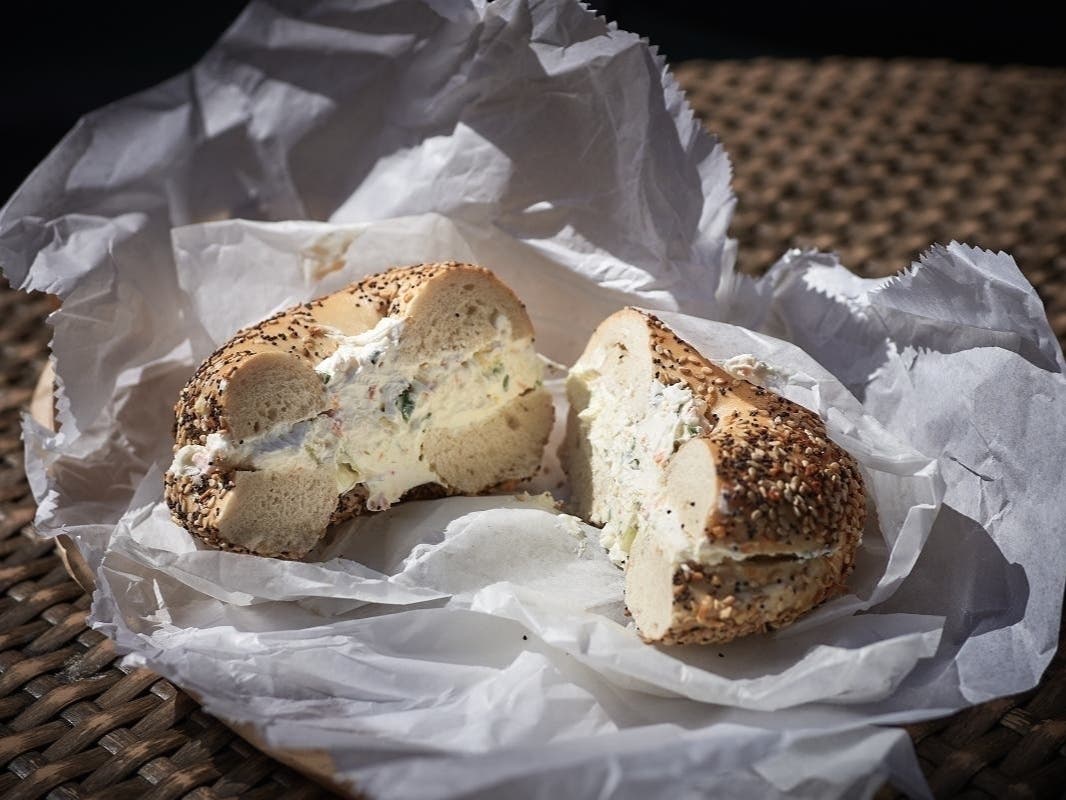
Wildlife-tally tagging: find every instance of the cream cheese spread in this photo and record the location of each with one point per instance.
(631, 465)
(383, 404)
(747, 367)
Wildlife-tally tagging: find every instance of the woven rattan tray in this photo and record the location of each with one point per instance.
(876, 160)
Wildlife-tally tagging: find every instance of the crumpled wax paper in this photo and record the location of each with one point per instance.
(476, 646)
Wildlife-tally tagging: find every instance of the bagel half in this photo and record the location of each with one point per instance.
(417, 382)
(731, 510)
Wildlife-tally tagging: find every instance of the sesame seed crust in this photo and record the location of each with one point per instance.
(784, 484)
(740, 598)
(301, 333)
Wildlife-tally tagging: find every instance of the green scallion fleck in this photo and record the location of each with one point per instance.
(407, 403)
(506, 381)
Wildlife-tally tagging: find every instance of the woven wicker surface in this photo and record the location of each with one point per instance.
(878, 160)
(875, 160)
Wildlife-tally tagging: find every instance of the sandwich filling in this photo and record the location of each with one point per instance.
(631, 439)
(382, 402)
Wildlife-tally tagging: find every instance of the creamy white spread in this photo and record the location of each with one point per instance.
(631, 464)
(383, 405)
(300, 443)
(747, 367)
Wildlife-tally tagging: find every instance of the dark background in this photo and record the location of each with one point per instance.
(60, 60)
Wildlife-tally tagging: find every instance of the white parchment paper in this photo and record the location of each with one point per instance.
(477, 646)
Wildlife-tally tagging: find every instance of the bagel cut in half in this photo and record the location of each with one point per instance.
(729, 507)
(414, 383)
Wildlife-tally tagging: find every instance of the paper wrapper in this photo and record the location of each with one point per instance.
(477, 646)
